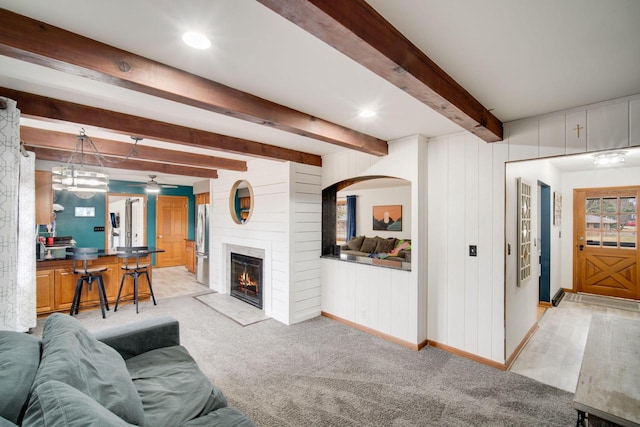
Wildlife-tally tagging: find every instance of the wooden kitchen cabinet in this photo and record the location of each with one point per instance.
(44, 197)
(45, 291)
(190, 256)
(203, 199)
(56, 284)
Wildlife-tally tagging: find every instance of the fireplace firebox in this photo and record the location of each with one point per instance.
(246, 278)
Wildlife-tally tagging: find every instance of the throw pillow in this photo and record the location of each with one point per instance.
(369, 245)
(72, 355)
(401, 245)
(19, 360)
(355, 243)
(55, 404)
(384, 246)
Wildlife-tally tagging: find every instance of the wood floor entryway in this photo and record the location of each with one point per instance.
(606, 256)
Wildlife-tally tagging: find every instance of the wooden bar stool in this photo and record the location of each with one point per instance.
(89, 275)
(134, 270)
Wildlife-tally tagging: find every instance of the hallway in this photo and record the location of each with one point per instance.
(553, 355)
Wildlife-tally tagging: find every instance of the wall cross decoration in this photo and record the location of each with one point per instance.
(577, 129)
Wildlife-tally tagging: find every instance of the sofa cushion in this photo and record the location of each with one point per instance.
(369, 245)
(19, 360)
(72, 355)
(172, 387)
(228, 417)
(355, 243)
(55, 404)
(384, 246)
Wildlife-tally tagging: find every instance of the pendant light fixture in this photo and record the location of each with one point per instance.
(75, 176)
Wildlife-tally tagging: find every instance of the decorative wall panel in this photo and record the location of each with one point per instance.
(524, 231)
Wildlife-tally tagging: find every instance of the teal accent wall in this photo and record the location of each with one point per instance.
(81, 229)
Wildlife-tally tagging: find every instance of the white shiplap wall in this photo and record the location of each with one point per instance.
(306, 241)
(390, 301)
(522, 301)
(282, 218)
(465, 204)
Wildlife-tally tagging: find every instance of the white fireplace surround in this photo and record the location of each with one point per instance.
(264, 253)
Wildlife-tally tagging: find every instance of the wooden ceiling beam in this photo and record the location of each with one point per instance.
(355, 28)
(119, 163)
(39, 43)
(42, 107)
(67, 142)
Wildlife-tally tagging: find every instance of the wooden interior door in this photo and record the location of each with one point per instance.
(171, 230)
(606, 253)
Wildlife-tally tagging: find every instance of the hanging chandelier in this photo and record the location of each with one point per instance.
(75, 176)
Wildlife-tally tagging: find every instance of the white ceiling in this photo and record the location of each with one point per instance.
(518, 58)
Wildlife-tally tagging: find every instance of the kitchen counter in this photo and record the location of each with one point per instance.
(101, 253)
(56, 282)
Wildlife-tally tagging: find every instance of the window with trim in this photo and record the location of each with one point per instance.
(341, 221)
(611, 221)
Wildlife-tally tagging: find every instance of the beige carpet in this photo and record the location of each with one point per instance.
(323, 373)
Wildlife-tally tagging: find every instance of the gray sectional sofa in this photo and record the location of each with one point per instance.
(133, 375)
(380, 247)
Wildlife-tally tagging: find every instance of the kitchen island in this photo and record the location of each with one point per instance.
(56, 283)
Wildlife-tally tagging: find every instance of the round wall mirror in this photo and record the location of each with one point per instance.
(241, 202)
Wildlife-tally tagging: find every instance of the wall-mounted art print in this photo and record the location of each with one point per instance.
(387, 217)
(557, 208)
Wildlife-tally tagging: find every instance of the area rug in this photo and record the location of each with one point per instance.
(236, 310)
(601, 301)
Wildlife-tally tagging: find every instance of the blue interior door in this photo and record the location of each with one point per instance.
(544, 292)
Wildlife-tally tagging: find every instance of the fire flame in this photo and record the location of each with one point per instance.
(245, 281)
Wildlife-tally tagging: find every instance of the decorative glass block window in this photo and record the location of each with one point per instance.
(524, 231)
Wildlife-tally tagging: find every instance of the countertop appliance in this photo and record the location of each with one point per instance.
(202, 244)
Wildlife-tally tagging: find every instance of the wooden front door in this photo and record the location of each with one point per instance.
(606, 256)
(171, 230)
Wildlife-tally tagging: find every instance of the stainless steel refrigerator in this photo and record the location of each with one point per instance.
(202, 244)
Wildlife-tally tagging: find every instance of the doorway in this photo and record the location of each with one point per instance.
(126, 222)
(544, 242)
(606, 254)
(171, 230)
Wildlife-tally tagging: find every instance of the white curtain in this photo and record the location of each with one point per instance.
(17, 226)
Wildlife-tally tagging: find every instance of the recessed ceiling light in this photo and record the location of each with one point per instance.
(367, 113)
(196, 40)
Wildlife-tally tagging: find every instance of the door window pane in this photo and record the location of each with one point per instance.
(610, 205)
(611, 222)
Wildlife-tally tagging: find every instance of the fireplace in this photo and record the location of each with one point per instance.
(246, 278)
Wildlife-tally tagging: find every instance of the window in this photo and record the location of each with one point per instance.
(341, 221)
(611, 221)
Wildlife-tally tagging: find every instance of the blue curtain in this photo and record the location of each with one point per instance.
(351, 217)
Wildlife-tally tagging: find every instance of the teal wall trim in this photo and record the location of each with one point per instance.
(81, 228)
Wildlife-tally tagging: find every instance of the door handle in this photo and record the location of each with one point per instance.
(581, 247)
(160, 236)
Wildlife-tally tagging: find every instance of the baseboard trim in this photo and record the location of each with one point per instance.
(375, 332)
(468, 355)
(545, 304)
(520, 346)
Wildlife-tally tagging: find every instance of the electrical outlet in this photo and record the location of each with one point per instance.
(473, 250)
